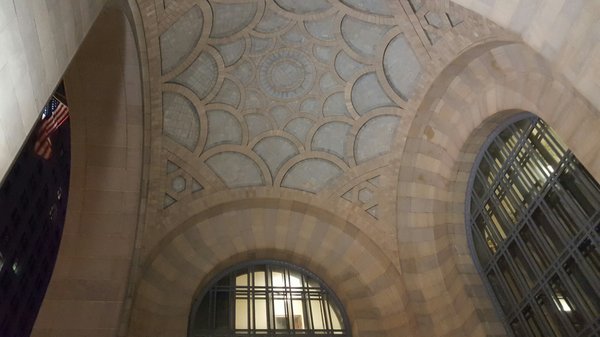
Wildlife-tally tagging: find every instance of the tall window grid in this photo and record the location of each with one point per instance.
(269, 298)
(533, 217)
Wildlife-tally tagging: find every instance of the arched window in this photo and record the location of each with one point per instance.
(267, 298)
(533, 217)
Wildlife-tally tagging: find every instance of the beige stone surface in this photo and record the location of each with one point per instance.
(287, 130)
(563, 31)
(39, 38)
(87, 291)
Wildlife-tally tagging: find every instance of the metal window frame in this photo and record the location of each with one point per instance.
(587, 227)
(308, 294)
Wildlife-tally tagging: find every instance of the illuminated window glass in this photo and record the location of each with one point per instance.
(533, 217)
(267, 298)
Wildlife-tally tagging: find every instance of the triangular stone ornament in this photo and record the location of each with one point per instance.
(168, 201)
(171, 167)
(374, 181)
(454, 20)
(415, 5)
(348, 195)
(196, 187)
(374, 211)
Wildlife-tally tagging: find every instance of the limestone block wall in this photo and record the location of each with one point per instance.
(87, 291)
(38, 38)
(565, 32)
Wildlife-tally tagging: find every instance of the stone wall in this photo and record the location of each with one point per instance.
(39, 38)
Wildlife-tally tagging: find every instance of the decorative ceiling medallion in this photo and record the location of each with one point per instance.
(286, 74)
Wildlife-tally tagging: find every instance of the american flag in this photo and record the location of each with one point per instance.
(54, 115)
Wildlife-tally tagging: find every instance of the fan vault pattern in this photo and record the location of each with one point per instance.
(284, 93)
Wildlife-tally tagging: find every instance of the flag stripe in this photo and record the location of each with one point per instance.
(43, 144)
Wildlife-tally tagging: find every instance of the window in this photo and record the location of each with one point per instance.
(267, 298)
(33, 206)
(533, 217)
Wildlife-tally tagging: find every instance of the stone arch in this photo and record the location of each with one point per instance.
(104, 87)
(484, 85)
(369, 286)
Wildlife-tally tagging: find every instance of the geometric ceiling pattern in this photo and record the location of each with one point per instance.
(285, 93)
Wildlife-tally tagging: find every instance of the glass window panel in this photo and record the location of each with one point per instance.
(519, 328)
(482, 248)
(336, 321)
(298, 309)
(534, 249)
(241, 314)
(241, 280)
(548, 150)
(575, 184)
(222, 309)
(487, 171)
(500, 291)
(548, 231)
(551, 315)
(521, 264)
(203, 311)
(500, 225)
(532, 322)
(582, 285)
(478, 187)
(295, 280)
(259, 279)
(278, 278)
(498, 154)
(509, 277)
(311, 283)
(279, 306)
(566, 304)
(591, 255)
(487, 235)
(318, 317)
(561, 212)
(530, 169)
(260, 312)
(506, 203)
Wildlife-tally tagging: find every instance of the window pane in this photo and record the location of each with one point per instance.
(260, 312)
(548, 232)
(222, 309)
(241, 314)
(575, 184)
(500, 291)
(533, 322)
(534, 249)
(336, 321)
(521, 264)
(317, 315)
(563, 214)
(566, 304)
(481, 248)
(487, 235)
(551, 315)
(509, 277)
(592, 256)
(583, 287)
(519, 328)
